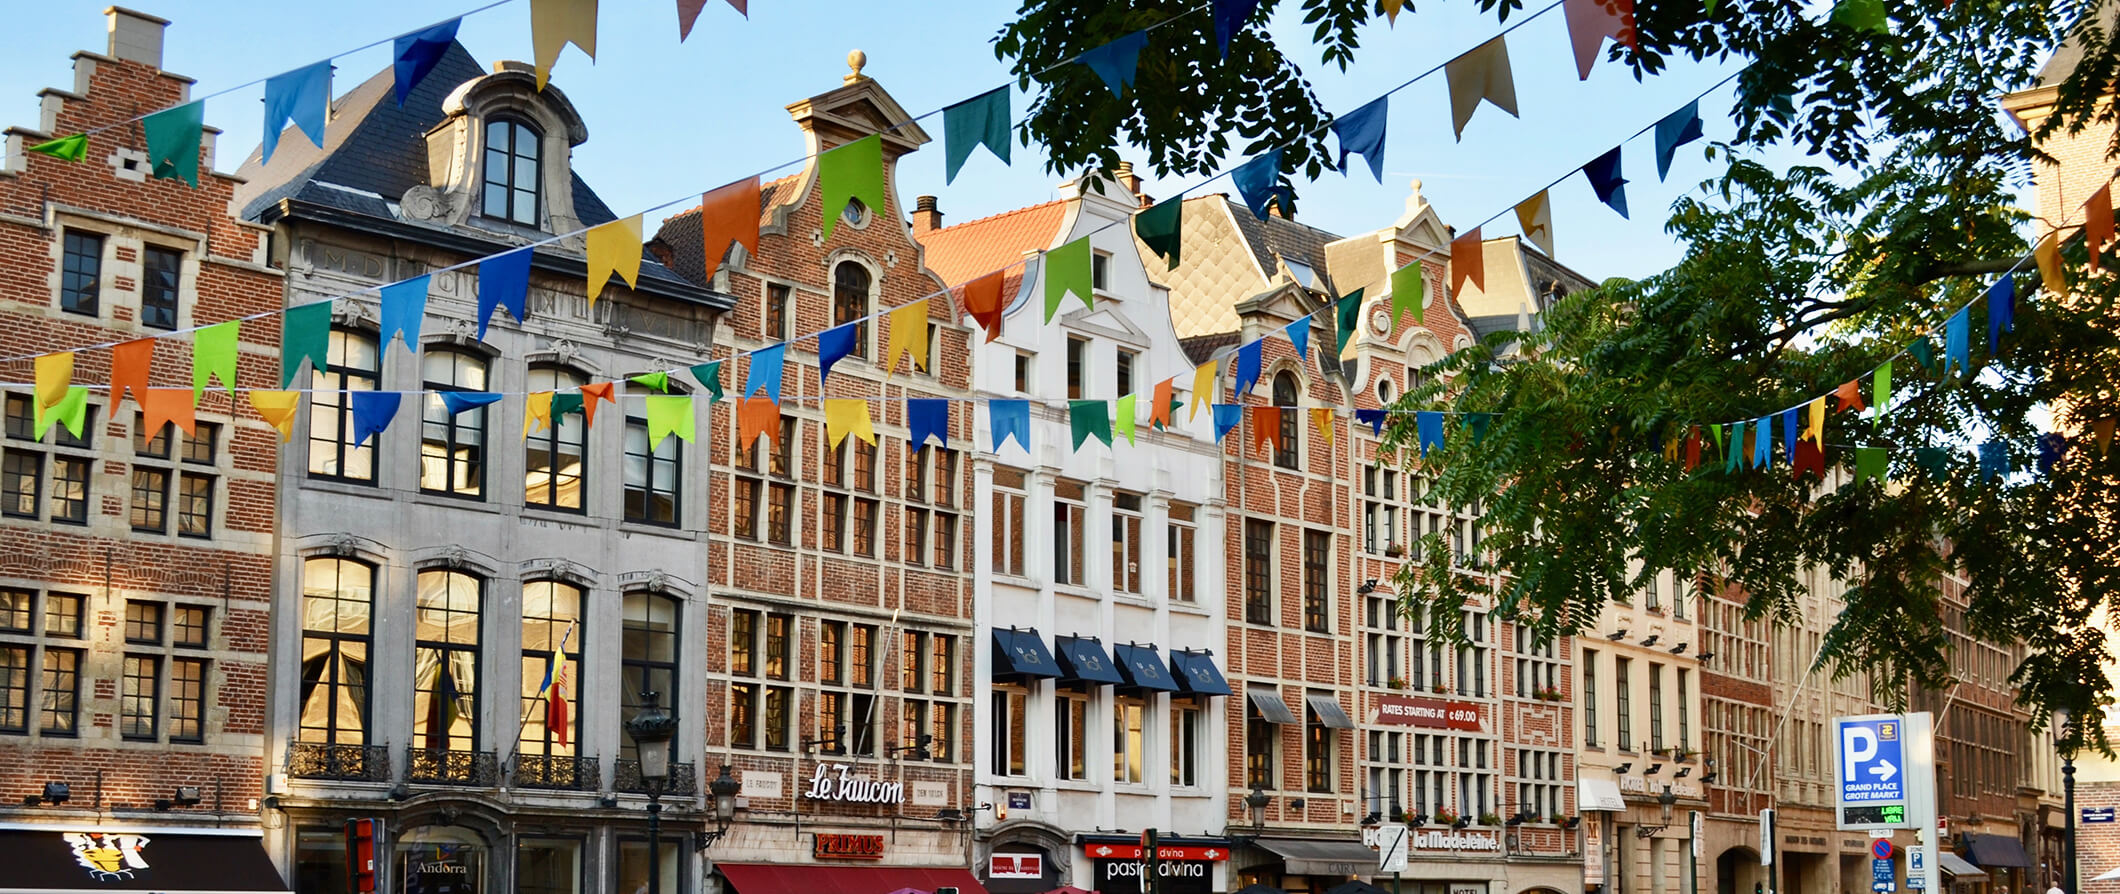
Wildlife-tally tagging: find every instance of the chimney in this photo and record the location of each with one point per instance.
(926, 219)
(1274, 209)
(136, 36)
(1124, 173)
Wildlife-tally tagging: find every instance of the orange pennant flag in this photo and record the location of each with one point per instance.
(277, 407)
(1848, 397)
(1166, 396)
(160, 406)
(2103, 428)
(55, 376)
(1266, 426)
(756, 416)
(1321, 419)
(129, 364)
(1467, 263)
(729, 214)
(593, 393)
(2098, 223)
(982, 299)
(1693, 448)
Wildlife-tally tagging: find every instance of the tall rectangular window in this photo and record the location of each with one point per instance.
(1071, 735)
(1007, 522)
(81, 274)
(1590, 736)
(776, 317)
(355, 365)
(336, 610)
(1179, 565)
(552, 639)
(849, 500)
(161, 277)
(1258, 571)
(1128, 741)
(22, 485)
(1317, 751)
(445, 663)
(652, 474)
(1260, 752)
(1077, 366)
(1125, 371)
(1656, 707)
(160, 462)
(1685, 731)
(555, 458)
(14, 688)
(62, 692)
(1070, 518)
(138, 698)
(1011, 728)
(1625, 708)
(1184, 744)
(1126, 543)
(452, 444)
(1317, 561)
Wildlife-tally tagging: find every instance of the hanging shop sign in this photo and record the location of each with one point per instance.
(837, 782)
(1172, 876)
(1023, 866)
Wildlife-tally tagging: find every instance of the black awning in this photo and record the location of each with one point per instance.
(1329, 711)
(1196, 673)
(91, 858)
(1268, 705)
(1143, 668)
(1997, 852)
(1021, 654)
(1082, 660)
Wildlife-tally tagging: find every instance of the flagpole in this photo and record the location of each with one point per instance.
(552, 670)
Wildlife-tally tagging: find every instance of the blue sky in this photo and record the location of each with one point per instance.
(668, 120)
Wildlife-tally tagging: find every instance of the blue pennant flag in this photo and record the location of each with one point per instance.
(1258, 181)
(2002, 310)
(1116, 62)
(833, 345)
(926, 416)
(2052, 446)
(1375, 418)
(1299, 335)
(1226, 417)
(503, 281)
(1762, 443)
(1249, 358)
(1010, 419)
(372, 412)
(763, 373)
(457, 402)
(1677, 129)
(1788, 435)
(300, 96)
(1230, 16)
(1361, 132)
(1956, 350)
(404, 307)
(1429, 424)
(1994, 460)
(1605, 178)
(416, 54)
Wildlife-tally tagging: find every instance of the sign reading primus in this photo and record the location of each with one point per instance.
(837, 782)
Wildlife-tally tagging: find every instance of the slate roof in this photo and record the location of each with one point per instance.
(1279, 236)
(967, 251)
(2070, 53)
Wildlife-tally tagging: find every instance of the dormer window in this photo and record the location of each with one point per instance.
(511, 189)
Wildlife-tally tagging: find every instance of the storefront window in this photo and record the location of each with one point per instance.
(633, 865)
(433, 860)
(548, 866)
(320, 861)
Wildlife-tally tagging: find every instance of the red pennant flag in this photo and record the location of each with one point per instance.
(1265, 426)
(593, 393)
(2098, 222)
(1693, 448)
(1590, 22)
(160, 406)
(756, 416)
(1809, 458)
(1848, 397)
(728, 214)
(1467, 263)
(982, 299)
(687, 13)
(1165, 402)
(129, 363)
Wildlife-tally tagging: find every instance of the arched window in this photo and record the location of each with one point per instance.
(649, 660)
(355, 366)
(511, 171)
(445, 662)
(452, 445)
(555, 459)
(337, 603)
(552, 653)
(1284, 396)
(850, 301)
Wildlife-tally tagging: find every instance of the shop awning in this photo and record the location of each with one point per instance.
(775, 878)
(1329, 711)
(1997, 852)
(1957, 868)
(1143, 668)
(1020, 654)
(1082, 660)
(1312, 857)
(1593, 795)
(1268, 705)
(1197, 674)
(66, 858)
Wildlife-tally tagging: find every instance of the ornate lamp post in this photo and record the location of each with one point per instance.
(652, 728)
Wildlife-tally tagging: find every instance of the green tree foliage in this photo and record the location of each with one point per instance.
(1794, 282)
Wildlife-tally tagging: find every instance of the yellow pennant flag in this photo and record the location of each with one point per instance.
(1535, 216)
(556, 23)
(278, 409)
(1481, 73)
(848, 416)
(614, 248)
(909, 333)
(1321, 419)
(1391, 10)
(2048, 253)
(1815, 427)
(55, 373)
(1203, 389)
(537, 413)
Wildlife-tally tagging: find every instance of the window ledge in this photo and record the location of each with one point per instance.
(444, 501)
(346, 488)
(673, 533)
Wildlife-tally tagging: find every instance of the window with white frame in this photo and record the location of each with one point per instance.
(1007, 521)
(1178, 552)
(1537, 664)
(1126, 542)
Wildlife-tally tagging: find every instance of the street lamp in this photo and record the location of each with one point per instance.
(652, 728)
(2064, 732)
(1255, 802)
(724, 788)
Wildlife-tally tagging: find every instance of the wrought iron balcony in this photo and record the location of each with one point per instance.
(329, 760)
(683, 779)
(441, 766)
(574, 774)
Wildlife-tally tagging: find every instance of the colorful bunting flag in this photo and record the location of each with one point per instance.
(1258, 181)
(1994, 460)
(1087, 418)
(173, 139)
(73, 147)
(2048, 254)
(1675, 130)
(1862, 15)
(1881, 389)
(1924, 353)
(590, 395)
(404, 309)
(54, 375)
(305, 334)
(2052, 447)
(729, 214)
(1934, 460)
(614, 248)
(277, 409)
(927, 417)
(504, 281)
(1010, 419)
(757, 416)
(1158, 227)
(301, 96)
(1321, 420)
(1482, 73)
(1468, 262)
(556, 23)
(1361, 132)
(1535, 217)
(1737, 447)
(1266, 426)
(845, 416)
(571, 403)
(687, 14)
(2098, 224)
(1693, 449)
(1229, 18)
(658, 382)
(1788, 434)
(1251, 357)
(763, 373)
(414, 54)
(1428, 425)
(1762, 443)
(456, 402)
(1409, 290)
(909, 335)
(833, 345)
(1869, 463)
(1956, 351)
(1347, 316)
(129, 365)
(1605, 178)
(1809, 458)
(537, 412)
(71, 411)
(1166, 403)
(982, 299)
(213, 356)
(671, 414)
(1123, 418)
(1590, 22)
(1848, 397)
(1226, 417)
(1391, 11)
(372, 412)
(1814, 428)
(1298, 334)
(1203, 388)
(853, 171)
(1373, 418)
(1117, 62)
(2002, 311)
(981, 120)
(1069, 268)
(1479, 423)
(2103, 430)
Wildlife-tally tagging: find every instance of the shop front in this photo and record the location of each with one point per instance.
(41, 859)
(1182, 865)
(1306, 865)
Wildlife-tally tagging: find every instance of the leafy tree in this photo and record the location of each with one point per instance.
(1794, 282)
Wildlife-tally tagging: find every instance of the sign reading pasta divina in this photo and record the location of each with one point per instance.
(842, 846)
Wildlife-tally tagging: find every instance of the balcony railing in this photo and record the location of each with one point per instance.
(574, 774)
(683, 779)
(441, 766)
(328, 760)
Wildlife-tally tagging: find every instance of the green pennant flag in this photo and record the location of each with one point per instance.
(1124, 422)
(1089, 417)
(1869, 463)
(852, 171)
(67, 148)
(564, 402)
(213, 355)
(1881, 389)
(1716, 430)
(1158, 228)
(1345, 318)
(669, 414)
(305, 334)
(1478, 422)
(1863, 15)
(1408, 290)
(1923, 353)
(71, 411)
(981, 120)
(1068, 269)
(173, 139)
(1737, 447)
(654, 381)
(709, 376)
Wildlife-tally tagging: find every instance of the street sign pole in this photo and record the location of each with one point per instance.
(1921, 796)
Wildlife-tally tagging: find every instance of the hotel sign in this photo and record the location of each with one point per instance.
(1434, 713)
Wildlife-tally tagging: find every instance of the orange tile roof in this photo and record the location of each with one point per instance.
(967, 251)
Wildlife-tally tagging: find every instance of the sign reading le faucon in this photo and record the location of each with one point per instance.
(837, 782)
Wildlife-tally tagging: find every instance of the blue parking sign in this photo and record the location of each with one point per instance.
(1872, 760)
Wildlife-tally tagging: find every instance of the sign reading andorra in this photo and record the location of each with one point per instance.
(1435, 713)
(837, 782)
